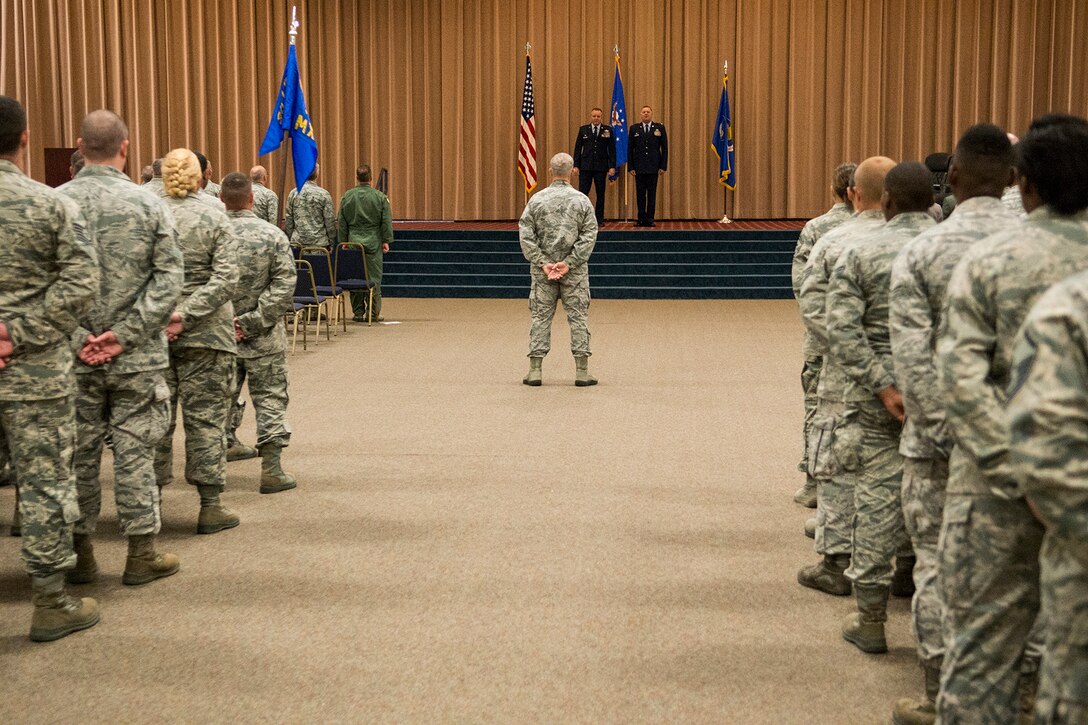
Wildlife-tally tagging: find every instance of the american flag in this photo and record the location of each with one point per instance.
(527, 146)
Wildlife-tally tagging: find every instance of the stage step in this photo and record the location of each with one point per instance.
(624, 265)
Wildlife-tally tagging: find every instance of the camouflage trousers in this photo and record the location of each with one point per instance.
(879, 531)
(829, 462)
(40, 437)
(267, 376)
(810, 377)
(1063, 679)
(202, 381)
(924, 483)
(573, 289)
(989, 552)
(135, 409)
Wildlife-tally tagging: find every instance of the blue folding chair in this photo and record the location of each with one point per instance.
(325, 280)
(308, 299)
(350, 270)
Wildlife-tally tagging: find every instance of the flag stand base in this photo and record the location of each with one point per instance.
(725, 219)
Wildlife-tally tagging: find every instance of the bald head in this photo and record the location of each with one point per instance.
(102, 135)
(869, 182)
(907, 187)
(258, 174)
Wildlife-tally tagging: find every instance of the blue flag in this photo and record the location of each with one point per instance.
(290, 115)
(722, 141)
(619, 119)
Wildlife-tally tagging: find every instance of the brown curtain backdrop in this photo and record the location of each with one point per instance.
(432, 89)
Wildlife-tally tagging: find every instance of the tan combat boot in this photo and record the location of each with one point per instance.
(86, 570)
(806, 495)
(533, 377)
(810, 527)
(582, 378)
(238, 451)
(144, 564)
(903, 576)
(214, 516)
(55, 613)
(865, 628)
(909, 711)
(273, 477)
(827, 576)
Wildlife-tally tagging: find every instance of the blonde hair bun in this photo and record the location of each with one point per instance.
(180, 173)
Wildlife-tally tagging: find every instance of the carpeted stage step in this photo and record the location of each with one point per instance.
(659, 264)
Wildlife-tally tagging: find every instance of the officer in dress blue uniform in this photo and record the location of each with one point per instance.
(647, 158)
(595, 157)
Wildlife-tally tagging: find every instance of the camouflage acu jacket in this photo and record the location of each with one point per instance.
(266, 284)
(558, 225)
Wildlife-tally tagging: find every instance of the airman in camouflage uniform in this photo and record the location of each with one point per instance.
(558, 229)
(48, 280)
(202, 344)
(310, 219)
(981, 166)
(266, 205)
(266, 284)
(831, 460)
(989, 545)
(810, 371)
(1048, 419)
(122, 350)
(857, 327)
(155, 185)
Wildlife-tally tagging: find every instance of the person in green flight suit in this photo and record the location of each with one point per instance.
(365, 218)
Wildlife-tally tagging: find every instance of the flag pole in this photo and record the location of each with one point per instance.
(725, 190)
(286, 148)
(626, 209)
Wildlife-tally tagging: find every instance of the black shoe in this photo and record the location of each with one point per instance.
(651, 224)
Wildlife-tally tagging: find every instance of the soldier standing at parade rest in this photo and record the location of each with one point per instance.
(202, 345)
(990, 542)
(155, 185)
(814, 229)
(647, 159)
(857, 328)
(557, 231)
(48, 280)
(266, 205)
(366, 219)
(981, 167)
(265, 284)
(123, 352)
(310, 221)
(831, 460)
(595, 158)
(1048, 420)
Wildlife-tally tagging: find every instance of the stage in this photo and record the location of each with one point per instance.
(691, 259)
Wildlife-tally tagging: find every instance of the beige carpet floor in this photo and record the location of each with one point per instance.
(462, 548)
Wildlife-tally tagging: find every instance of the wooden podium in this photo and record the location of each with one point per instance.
(57, 165)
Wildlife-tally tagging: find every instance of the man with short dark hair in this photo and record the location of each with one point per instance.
(647, 159)
(155, 184)
(122, 390)
(265, 285)
(981, 167)
(209, 190)
(595, 158)
(859, 341)
(48, 279)
(990, 542)
(366, 219)
(310, 221)
(147, 173)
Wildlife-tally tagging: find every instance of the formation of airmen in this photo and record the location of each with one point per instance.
(119, 302)
(946, 418)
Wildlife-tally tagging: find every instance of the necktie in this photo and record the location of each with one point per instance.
(595, 131)
(646, 127)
